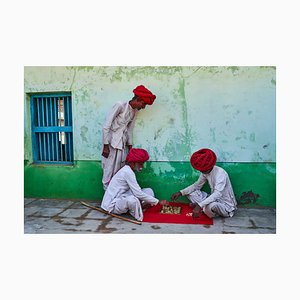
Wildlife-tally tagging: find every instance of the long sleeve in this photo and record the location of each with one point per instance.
(137, 191)
(130, 131)
(217, 193)
(195, 186)
(108, 122)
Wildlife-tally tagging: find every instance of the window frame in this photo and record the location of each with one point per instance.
(37, 130)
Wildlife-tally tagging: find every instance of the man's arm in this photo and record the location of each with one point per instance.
(107, 126)
(195, 186)
(137, 191)
(130, 132)
(117, 108)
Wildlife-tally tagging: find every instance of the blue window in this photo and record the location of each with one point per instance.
(52, 132)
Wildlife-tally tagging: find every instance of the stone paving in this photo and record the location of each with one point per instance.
(68, 216)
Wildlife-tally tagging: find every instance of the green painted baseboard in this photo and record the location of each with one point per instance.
(254, 184)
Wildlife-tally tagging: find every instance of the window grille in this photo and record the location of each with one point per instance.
(52, 132)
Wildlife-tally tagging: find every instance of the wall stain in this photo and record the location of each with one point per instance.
(117, 75)
(233, 69)
(213, 134)
(157, 133)
(266, 145)
(180, 142)
(252, 137)
(273, 81)
(171, 121)
(83, 131)
(248, 198)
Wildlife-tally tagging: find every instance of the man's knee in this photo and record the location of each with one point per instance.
(148, 191)
(132, 203)
(209, 210)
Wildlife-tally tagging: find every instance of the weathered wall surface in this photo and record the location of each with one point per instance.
(228, 109)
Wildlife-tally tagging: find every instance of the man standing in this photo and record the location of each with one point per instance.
(221, 201)
(118, 129)
(124, 193)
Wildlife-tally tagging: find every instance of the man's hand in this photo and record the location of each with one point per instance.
(196, 211)
(164, 202)
(175, 196)
(105, 151)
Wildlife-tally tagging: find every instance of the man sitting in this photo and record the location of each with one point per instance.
(221, 201)
(124, 194)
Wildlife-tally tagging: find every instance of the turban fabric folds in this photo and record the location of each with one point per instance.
(203, 160)
(144, 94)
(137, 155)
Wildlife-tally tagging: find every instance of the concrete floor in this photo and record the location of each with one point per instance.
(69, 216)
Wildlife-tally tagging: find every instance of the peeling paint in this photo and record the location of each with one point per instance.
(198, 106)
(233, 69)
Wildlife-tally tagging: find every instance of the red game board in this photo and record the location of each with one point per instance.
(153, 215)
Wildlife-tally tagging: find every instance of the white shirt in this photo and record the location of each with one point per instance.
(118, 126)
(220, 185)
(124, 184)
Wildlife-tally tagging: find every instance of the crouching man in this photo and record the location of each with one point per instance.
(124, 194)
(221, 201)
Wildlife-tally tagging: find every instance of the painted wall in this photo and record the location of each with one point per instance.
(228, 109)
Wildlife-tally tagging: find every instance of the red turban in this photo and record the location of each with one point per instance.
(144, 94)
(137, 155)
(203, 160)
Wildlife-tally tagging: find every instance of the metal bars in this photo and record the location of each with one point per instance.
(52, 128)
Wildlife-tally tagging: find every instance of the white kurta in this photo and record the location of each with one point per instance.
(117, 132)
(124, 194)
(221, 200)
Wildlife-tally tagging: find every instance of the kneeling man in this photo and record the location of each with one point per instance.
(124, 194)
(221, 201)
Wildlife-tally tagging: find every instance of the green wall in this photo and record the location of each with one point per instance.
(253, 183)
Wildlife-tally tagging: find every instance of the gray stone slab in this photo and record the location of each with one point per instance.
(33, 225)
(93, 214)
(243, 230)
(51, 203)
(264, 221)
(29, 200)
(28, 211)
(248, 212)
(77, 204)
(88, 225)
(237, 221)
(47, 212)
(73, 213)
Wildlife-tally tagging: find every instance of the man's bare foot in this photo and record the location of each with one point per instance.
(197, 211)
(145, 205)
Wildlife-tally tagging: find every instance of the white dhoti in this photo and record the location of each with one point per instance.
(213, 209)
(112, 164)
(129, 203)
